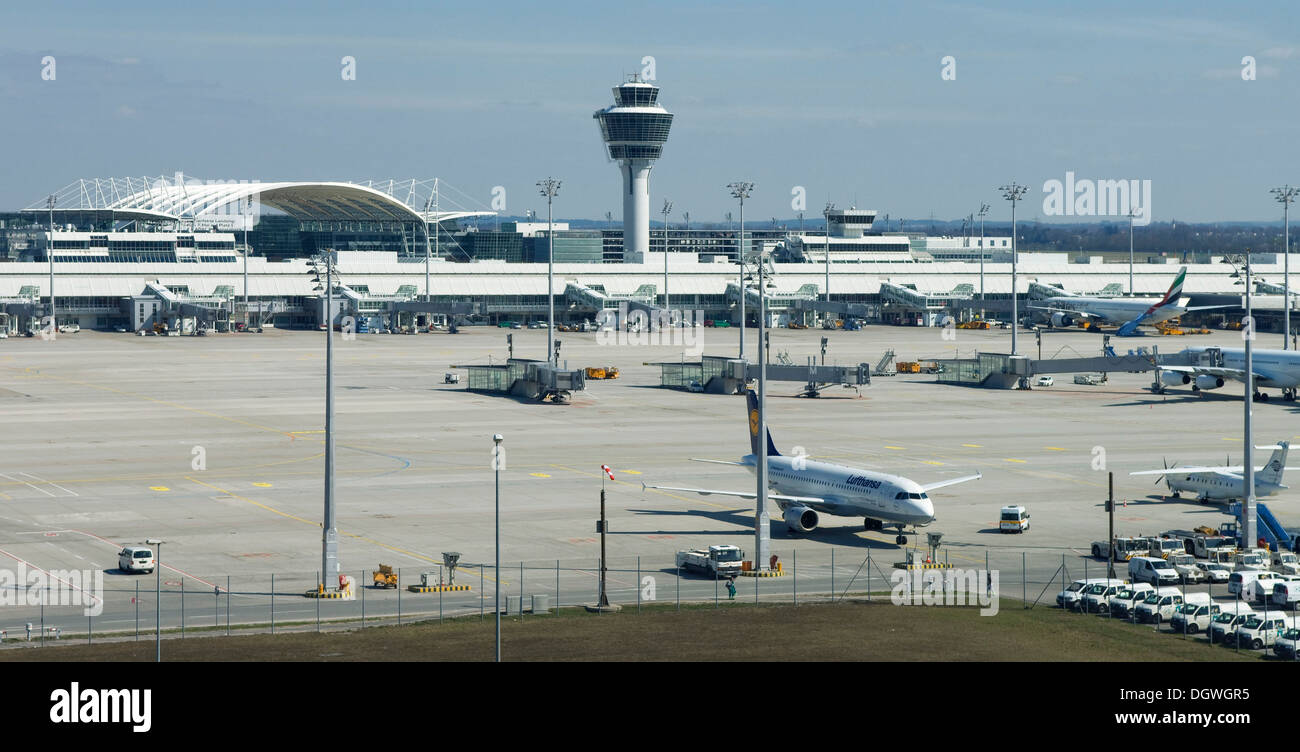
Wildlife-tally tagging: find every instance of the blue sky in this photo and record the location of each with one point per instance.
(844, 99)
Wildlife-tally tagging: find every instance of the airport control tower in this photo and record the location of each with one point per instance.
(635, 129)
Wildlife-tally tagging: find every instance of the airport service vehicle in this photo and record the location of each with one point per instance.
(1195, 614)
(1125, 548)
(1232, 614)
(1285, 562)
(1072, 596)
(1066, 310)
(1274, 369)
(1239, 582)
(384, 577)
(1185, 565)
(1159, 605)
(1013, 520)
(1205, 546)
(1213, 571)
(1163, 548)
(715, 561)
(1127, 599)
(1097, 594)
(1285, 594)
(694, 386)
(451, 378)
(1224, 483)
(1089, 379)
(1249, 561)
(1262, 630)
(1045, 381)
(136, 559)
(806, 488)
(1151, 570)
(1285, 646)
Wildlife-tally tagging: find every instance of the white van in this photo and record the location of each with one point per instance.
(136, 559)
(1159, 605)
(1285, 646)
(1152, 570)
(1013, 520)
(1195, 614)
(1073, 595)
(1127, 599)
(1286, 562)
(1262, 630)
(1239, 582)
(1231, 615)
(1285, 594)
(1096, 597)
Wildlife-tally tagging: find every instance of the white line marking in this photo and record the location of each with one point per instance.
(25, 483)
(52, 483)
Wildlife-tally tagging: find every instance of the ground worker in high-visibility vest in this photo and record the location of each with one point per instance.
(731, 588)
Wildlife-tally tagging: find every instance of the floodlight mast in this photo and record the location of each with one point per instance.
(668, 207)
(1014, 192)
(827, 213)
(550, 188)
(740, 191)
(983, 212)
(1286, 195)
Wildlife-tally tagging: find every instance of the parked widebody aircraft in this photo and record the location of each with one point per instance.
(806, 488)
(1213, 366)
(1066, 310)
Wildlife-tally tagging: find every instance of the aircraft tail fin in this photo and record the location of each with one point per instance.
(1272, 472)
(751, 414)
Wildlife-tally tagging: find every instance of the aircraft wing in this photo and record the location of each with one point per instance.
(779, 498)
(1070, 311)
(950, 482)
(1224, 473)
(1236, 374)
(1232, 471)
(1208, 307)
(720, 462)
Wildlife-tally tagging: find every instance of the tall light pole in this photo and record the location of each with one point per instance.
(1131, 214)
(827, 214)
(740, 190)
(49, 251)
(497, 458)
(247, 322)
(329, 529)
(668, 207)
(983, 212)
(1286, 194)
(762, 522)
(1248, 466)
(157, 600)
(1013, 192)
(550, 188)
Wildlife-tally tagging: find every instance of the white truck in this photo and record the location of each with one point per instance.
(1286, 562)
(715, 561)
(1165, 547)
(1249, 561)
(1205, 546)
(1125, 548)
(1185, 565)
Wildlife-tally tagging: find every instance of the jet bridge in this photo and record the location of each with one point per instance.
(723, 375)
(522, 377)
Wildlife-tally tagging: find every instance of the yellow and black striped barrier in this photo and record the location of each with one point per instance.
(327, 594)
(763, 573)
(437, 588)
(912, 567)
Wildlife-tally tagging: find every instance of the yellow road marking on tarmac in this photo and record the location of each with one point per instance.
(656, 490)
(159, 488)
(931, 462)
(894, 448)
(262, 485)
(974, 446)
(1235, 438)
(315, 524)
(1009, 459)
(631, 472)
(539, 475)
(1057, 449)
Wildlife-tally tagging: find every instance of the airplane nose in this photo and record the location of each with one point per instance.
(925, 508)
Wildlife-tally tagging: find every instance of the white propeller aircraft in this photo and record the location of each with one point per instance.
(806, 488)
(1225, 483)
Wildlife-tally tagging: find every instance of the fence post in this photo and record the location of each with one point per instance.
(182, 606)
(557, 587)
(481, 569)
(227, 605)
(521, 589)
(399, 596)
(1024, 578)
(638, 583)
(439, 601)
(318, 600)
(794, 555)
(868, 575)
(216, 606)
(361, 584)
(90, 630)
(833, 572)
(273, 603)
(137, 610)
(679, 590)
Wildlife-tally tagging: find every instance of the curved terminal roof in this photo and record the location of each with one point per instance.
(186, 198)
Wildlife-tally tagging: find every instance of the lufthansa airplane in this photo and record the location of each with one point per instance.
(805, 489)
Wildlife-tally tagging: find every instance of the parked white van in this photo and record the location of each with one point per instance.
(1159, 605)
(1231, 615)
(1262, 630)
(1239, 582)
(1122, 603)
(1285, 646)
(1071, 596)
(1286, 594)
(1286, 562)
(1098, 593)
(1151, 570)
(136, 559)
(1013, 520)
(1195, 614)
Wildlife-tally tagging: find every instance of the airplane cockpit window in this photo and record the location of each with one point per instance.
(901, 495)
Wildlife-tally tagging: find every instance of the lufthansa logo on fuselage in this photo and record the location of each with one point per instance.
(858, 480)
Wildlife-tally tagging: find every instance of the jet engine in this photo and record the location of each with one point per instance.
(1206, 381)
(801, 519)
(1174, 378)
(1062, 319)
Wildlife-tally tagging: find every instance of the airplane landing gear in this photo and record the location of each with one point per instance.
(1260, 397)
(901, 540)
